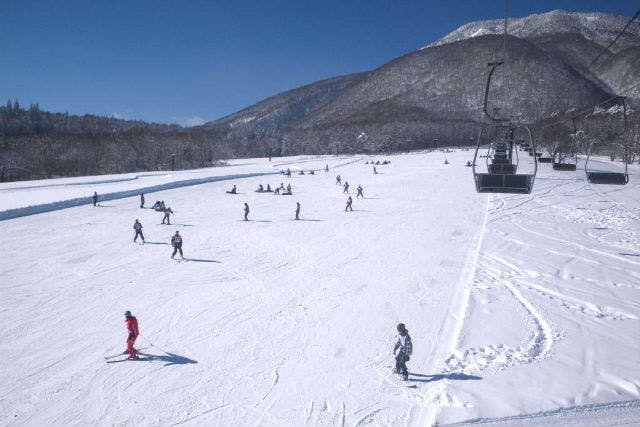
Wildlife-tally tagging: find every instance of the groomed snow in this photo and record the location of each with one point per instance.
(523, 309)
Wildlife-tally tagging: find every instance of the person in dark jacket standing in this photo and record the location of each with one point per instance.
(297, 210)
(246, 212)
(404, 347)
(349, 203)
(141, 200)
(95, 199)
(359, 192)
(176, 242)
(138, 228)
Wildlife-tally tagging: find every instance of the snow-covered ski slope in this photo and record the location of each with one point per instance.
(523, 309)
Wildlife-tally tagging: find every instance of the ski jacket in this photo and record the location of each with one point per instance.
(137, 226)
(168, 211)
(246, 209)
(142, 199)
(404, 344)
(176, 240)
(132, 327)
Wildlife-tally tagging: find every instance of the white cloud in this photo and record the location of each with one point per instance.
(193, 121)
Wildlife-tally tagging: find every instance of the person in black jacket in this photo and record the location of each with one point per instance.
(404, 347)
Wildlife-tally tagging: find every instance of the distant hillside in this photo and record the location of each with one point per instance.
(430, 97)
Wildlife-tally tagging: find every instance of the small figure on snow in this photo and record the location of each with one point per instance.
(404, 348)
(338, 180)
(176, 242)
(95, 199)
(269, 190)
(167, 212)
(346, 187)
(288, 188)
(133, 331)
(138, 227)
(246, 212)
(141, 200)
(446, 162)
(233, 190)
(326, 168)
(360, 194)
(375, 171)
(349, 203)
(297, 210)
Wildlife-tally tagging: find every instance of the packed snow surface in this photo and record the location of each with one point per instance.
(523, 309)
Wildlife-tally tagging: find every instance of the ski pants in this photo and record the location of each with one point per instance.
(130, 341)
(138, 233)
(360, 194)
(167, 218)
(177, 248)
(348, 208)
(401, 363)
(297, 215)
(246, 214)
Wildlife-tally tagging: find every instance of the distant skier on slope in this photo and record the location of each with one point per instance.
(167, 212)
(297, 210)
(246, 212)
(338, 180)
(95, 199)
(359, 192)
(141, 200)
(346, 187)
(375, 171)
(138, 228)
(133, 331)
(326, 168)
(349, 203)
(233, 190)
(404, 347)
(176, 242)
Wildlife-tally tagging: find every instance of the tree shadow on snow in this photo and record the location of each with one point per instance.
(168, 358)
(438, 377)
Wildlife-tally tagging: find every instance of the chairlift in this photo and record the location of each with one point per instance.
(502, 157)
(611, 177)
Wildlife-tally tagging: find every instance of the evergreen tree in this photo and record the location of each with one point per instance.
(16, 106)
(9, 108)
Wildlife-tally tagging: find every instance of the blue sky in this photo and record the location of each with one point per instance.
(182, 61)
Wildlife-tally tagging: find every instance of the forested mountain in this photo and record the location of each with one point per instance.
(430, 97)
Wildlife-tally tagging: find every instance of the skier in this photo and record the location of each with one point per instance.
(176, 242)
(232, 191)
(446, 162)
(359, 192)
(326, 168)
(346, 187)
(297, 210)
(289, 188)
(349, 207)
(269, 190)
(404, 348)
(141, 200)
(246, 212)
(132, 329)
(95, 199)
(138, 227)
(375, 171)
(167, 212)
(338, 180)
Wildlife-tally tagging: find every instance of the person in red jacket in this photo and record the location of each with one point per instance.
(167, 212)
(133, 331)
(141, 200)
(176, 242)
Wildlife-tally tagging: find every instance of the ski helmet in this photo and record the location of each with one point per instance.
(127, 313)
(401, 327)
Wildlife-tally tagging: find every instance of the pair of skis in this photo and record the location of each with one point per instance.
(114, 357)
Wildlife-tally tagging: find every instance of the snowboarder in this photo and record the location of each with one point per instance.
(95, 199)
(404, 348)
(297, 210)
(359, 192)
(176, 242)
(138, 227)
(246, 212)
(326, 168)
(141, 200)
(349, 207)
(338, 180)
(167, 212)
(232, 191)
(133, 331)
(346, 187)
